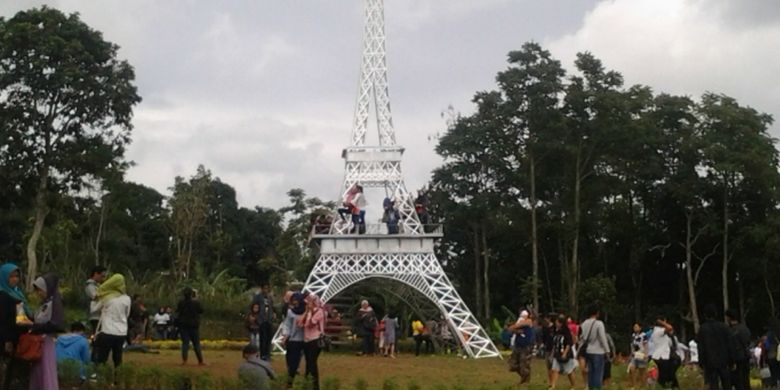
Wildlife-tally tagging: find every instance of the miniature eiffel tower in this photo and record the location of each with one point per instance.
(403, 264)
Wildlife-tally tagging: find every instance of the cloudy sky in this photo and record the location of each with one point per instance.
(262, 92)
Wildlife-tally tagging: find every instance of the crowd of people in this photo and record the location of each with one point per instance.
(34, 342)
(723, 351)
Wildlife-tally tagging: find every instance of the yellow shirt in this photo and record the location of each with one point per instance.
(417, 328)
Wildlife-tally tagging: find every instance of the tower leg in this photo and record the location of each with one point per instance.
(420, 272)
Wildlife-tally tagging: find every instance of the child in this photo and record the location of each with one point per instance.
(379, 334)
(391, 328)
(74, 346)
(252, 326)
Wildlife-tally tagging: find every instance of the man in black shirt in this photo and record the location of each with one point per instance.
(740, 376)
(264, 319)
(716, 351)
(548, 333)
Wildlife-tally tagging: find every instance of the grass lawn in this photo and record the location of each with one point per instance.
(429, 372)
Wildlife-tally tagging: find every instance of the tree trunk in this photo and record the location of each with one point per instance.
(575, 271)
(99, 235)
(548, 290)
(41, 211)
(768, 292)
(741, 290)
(486, 272)
(534, 238)
(725, 270)
(477, 273)
(564, 261)
(189, 257)
(633, 261)
(689, 272)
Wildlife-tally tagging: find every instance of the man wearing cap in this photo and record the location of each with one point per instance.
(255, 373)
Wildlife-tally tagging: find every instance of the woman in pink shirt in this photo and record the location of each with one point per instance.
(313, 323)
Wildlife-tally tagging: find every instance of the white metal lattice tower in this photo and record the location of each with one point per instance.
(407, 258)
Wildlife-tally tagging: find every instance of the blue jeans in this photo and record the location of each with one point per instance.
(254, 339)
(595, 370)
(293, 357)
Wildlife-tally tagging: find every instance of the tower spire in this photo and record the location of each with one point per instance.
(373, 80)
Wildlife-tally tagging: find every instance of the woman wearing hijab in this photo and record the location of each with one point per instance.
(114, 307)
(188, 314)
(367, 322)
(292, 335)
(49, 320)
(14, 320)
(313, 323)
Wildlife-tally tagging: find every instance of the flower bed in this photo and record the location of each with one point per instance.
(214, 345)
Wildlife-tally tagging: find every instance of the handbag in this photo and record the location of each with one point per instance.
(324, 342)
(30, 347)
(639, 355)
(584, 344)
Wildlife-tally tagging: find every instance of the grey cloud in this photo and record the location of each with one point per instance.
(263, 92)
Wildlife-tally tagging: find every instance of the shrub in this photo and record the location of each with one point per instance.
(390, 384)
(413, 385)
(302, 383)
(280, 383)
(331, 383)
(69, 373)
(361, 384)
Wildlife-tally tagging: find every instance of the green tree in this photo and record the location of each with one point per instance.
(591, 117)
(293, 250)
(532, 87)
(470, 177)
(65, 106)
(741, 159)
(189, 213)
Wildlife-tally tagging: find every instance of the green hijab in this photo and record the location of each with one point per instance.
(112, 288)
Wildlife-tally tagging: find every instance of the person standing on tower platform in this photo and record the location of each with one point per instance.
(264, 299)
(347, 209)
(391, 216)
(359, 211)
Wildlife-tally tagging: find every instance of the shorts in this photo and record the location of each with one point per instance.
(638, 363)
(566, 368)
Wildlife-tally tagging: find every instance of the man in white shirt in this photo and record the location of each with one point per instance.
(161, 320)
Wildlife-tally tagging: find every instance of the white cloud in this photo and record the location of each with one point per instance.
(685, 47)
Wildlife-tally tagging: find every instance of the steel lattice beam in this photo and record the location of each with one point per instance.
(421, 271)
